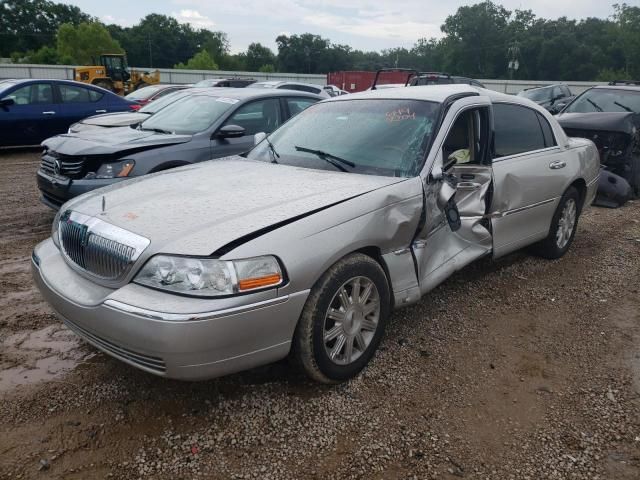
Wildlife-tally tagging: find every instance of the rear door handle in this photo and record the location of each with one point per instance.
(558, 164)
(50, 112)
(101, 111)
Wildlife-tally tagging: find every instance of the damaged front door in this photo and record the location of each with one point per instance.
(458, 186)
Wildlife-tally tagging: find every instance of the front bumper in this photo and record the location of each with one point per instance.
(191, 345)
(57, 190)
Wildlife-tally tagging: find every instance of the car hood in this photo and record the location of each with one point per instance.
(117, 119)
(116, 140)
(601, 121)
(197, 209)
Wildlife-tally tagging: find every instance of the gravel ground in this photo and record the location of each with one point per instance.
(517, 369)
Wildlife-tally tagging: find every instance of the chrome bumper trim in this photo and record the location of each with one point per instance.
(184, 317)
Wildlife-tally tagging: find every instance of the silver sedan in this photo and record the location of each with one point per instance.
(304, 246)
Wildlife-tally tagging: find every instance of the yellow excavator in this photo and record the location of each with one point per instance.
(113, 74)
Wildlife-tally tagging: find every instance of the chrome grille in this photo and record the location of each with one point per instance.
(55, 164)
(99, 248)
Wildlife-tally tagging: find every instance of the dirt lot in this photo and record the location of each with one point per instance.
(519, 369)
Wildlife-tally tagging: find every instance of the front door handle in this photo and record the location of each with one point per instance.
(50, 112)
(468, 185)
(101, 111)
(558, 164)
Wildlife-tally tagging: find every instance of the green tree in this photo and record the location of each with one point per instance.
(269, 68)
(200, 61)
(628, 21)
(257, 56)
(28, 25)
(83, 44)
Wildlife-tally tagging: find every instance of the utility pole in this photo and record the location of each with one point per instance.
(150, 54)
(514, 54)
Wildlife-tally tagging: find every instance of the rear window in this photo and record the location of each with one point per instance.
(143, 93)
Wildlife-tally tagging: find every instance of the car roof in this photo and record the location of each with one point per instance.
(283, 82)
(633, 88)
(433, 93)
(244, 93)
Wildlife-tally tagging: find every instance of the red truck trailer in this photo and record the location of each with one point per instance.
(358, 81)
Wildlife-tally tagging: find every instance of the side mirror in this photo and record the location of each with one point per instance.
(231, 131)
(5, 102)
(258, 137)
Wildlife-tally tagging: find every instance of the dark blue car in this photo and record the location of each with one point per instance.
(32, 110)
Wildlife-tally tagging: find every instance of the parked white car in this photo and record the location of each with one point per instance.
(301, 87)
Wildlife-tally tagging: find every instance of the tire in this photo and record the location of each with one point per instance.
(321, 341)
(635, 176)
(560, 235)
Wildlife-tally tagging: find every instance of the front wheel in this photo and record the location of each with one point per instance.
(563, 227)
(343, 320)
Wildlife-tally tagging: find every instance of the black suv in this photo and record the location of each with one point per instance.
(552, 97)
(415, 78)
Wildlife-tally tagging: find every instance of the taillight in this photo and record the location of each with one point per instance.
(135, 107)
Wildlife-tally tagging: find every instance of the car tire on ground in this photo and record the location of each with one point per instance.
(563, 227)
(635, 176)
(343, 320)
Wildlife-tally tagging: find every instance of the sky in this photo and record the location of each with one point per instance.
(362, 24)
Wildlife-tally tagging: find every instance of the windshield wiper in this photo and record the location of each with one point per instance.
(595, 105)
(272, 149)
(327, 157)
(157, 130)
(623, 106)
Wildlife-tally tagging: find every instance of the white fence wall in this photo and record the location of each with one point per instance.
(191, 76)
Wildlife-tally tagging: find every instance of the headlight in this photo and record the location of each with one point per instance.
(210, 277)
(54, 229)
(115, 169)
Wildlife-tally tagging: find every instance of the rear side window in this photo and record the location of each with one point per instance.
(547, 132)
(298, 104)
(74, 94)
(517, 130)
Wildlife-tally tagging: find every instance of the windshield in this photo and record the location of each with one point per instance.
(605, 100)
(537, 95)
(375, 137)
(6, 85)
(143, 93)
(159, 104)
(189, 115)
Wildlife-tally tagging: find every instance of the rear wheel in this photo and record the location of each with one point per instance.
(635, 176)
(563, 227)
(343, 320)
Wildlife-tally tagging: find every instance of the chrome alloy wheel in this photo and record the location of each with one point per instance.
(566, 224)
(351, 320)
